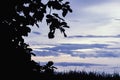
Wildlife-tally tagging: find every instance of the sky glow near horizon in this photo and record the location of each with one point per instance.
(93, 37)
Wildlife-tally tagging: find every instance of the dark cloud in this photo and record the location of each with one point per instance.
(103, 50)
(117, 19)
(76, 64)
(98, 54)
(77, 46)
(68, 48)
(65, 64)
(46, 53)
(93, 36)
(107, 54)
(118, 35)
(35, 32)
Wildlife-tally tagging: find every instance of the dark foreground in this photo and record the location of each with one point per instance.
(73, 75)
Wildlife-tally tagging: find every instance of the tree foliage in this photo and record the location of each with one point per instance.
(16, 18)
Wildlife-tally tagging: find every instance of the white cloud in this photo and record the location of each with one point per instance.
(111, 9)
(68, 58)
(111, 28)
(95, 18)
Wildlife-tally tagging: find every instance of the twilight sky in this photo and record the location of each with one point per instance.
(93, 37)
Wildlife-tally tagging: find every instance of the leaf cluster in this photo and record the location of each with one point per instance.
(17, 17)
(55, 22)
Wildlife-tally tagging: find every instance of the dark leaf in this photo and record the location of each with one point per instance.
(29, 49)
(33, 54)
(39, 15)
(70, 10)
(48, 21)
(43, 9)
(60, 0)
(66, 26)
(64, 13)
(63, 23)
(50, 35)
(24, 31)
(57, 5)
(52, 27)
(67, 2)
(62, 30)
(37, 25)
(40, 18)
(49, 4)
(49, 16)
(56, 15)
(65, 34)
(27, 29)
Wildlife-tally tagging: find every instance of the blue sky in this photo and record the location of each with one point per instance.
(93, 36)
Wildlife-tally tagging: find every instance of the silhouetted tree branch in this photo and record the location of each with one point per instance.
(16, 18)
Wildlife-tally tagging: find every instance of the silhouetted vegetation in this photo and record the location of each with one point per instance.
(15, 18)
(81, 75)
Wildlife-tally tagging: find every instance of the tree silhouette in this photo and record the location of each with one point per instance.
(16, 18)
(49, 68)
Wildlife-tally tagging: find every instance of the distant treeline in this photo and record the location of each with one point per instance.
(81, 75)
